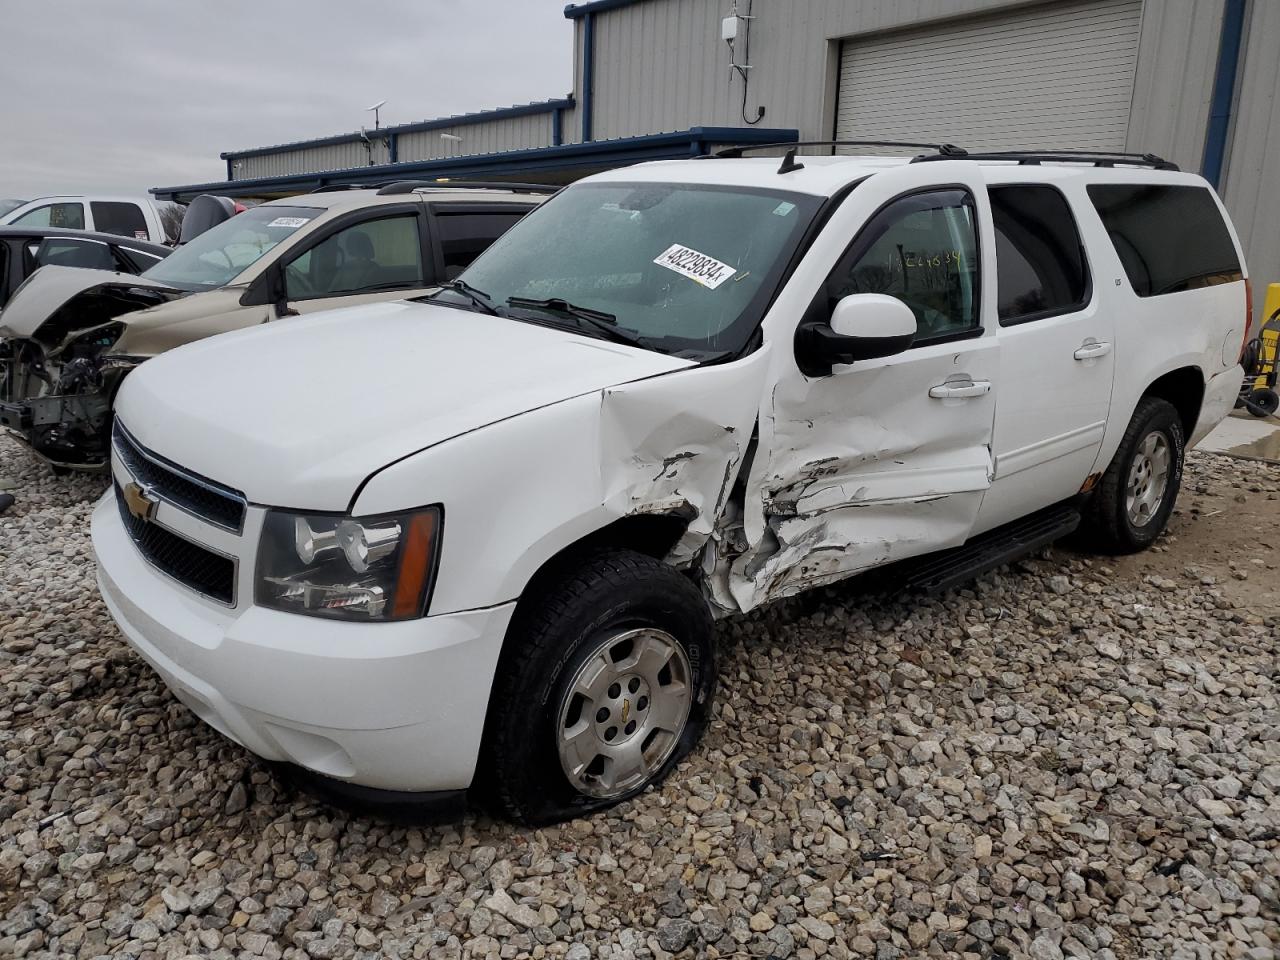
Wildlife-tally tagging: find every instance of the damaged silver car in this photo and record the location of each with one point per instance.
(69, 335)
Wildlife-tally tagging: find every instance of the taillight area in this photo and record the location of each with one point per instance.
(1248, 315)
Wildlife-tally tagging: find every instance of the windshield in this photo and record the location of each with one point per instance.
(9, 205)
(221, 253)
(689, 268)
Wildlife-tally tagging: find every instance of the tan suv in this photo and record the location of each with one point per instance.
(70, 334)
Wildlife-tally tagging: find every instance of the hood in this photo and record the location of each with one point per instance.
(57, 290)
(297, 413)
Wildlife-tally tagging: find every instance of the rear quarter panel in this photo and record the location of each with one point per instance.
(1200, 329)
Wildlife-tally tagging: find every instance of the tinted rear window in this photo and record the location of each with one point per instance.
(125, 219)
(1169, 238)
(1040, 265)
(464, 236)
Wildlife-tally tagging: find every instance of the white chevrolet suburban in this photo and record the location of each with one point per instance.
(478, 540)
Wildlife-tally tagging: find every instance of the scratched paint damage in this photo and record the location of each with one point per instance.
(778, 503)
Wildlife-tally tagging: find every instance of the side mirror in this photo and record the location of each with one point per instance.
(863, 326)
(278, 291)
(268, 289)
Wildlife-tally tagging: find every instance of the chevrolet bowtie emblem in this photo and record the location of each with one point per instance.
(139, 500)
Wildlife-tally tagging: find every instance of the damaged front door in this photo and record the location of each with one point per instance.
(890, 457)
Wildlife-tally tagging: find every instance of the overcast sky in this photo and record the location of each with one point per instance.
(120, 97)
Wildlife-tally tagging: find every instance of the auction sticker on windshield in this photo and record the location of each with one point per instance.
(698, 267)
(293, 222)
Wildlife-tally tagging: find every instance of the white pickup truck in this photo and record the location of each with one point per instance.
(135, 217)
(478, 540)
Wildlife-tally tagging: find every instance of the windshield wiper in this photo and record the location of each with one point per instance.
(598, 320)
(478, 297)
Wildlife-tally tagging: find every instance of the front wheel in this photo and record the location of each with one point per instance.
(605, 683)
(1133, 502)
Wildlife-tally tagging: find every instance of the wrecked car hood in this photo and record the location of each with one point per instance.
(52, 288)
(297, 413)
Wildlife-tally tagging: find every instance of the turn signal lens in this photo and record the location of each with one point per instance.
(415, 564)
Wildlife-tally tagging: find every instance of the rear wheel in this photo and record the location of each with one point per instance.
(605, 684)
(1132, 504)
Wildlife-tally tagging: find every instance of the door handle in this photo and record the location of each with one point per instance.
(960, 389)
(1092, 349)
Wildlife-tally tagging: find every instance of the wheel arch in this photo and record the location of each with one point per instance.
(1183, 388)
(652, 534)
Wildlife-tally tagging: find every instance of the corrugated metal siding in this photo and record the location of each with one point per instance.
(498, 136)
(337, 156)
(1059, 76)
(661, 65)
(1251, 188)
(1174, 83)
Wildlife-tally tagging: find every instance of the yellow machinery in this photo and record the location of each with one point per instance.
(1261, 356)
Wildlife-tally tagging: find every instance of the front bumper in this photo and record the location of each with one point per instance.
(393, 706)
(67, 431)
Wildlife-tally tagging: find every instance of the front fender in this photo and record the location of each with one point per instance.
(514, 493)
(518, 492)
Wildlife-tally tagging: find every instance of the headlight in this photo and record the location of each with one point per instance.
(351, 568)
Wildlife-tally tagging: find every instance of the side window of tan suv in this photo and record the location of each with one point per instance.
(363, 258)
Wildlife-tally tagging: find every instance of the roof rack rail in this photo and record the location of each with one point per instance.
(945, 151)
(339, 187)
(1099, 158)
(409, 186)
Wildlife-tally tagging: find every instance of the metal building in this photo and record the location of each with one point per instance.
(1195, 81)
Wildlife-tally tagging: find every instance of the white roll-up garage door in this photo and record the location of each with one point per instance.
(1057, 76)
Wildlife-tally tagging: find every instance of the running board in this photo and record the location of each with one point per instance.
(942, 571)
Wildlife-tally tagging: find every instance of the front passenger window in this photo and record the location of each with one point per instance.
(922, 249)
(364, 258)
(69, 216)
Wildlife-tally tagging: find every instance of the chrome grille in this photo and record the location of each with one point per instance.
(198, 496)
(190, 564)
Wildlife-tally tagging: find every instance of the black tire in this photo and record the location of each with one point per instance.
(1108, 518)
(1264, 402)
(585, 602)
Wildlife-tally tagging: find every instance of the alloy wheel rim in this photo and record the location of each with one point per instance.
(623, 712)
(1148, 478)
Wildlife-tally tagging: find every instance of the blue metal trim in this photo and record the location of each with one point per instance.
(484, 116)
(393, 148)
(575, 11)
(598, 153)
(230, 171)
(557, 128)
(588, 73)
(1224, 90)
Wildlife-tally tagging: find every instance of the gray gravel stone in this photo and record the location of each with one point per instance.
(1072, 756)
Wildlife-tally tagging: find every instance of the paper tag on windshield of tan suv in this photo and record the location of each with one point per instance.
(698, 267)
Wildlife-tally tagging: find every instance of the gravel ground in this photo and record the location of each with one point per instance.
(1074, 757)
